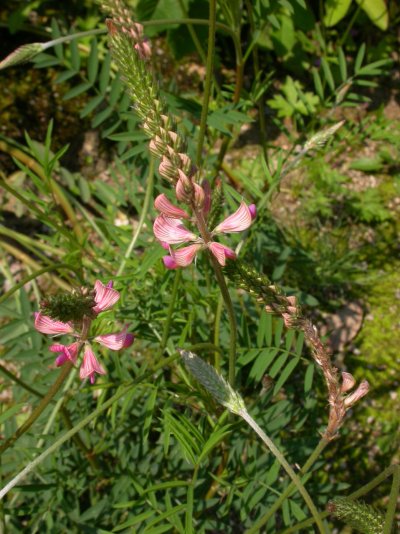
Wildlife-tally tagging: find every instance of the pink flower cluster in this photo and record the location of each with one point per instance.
(170, 230)
(105, 297)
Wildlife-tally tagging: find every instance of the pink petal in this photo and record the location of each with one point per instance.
(253, 211)
(238, 221)
(221, 252)
(65, 352)
(171, 230)
(90, 366)
(164, 206)
(169, 262)
(105, 296)
(184, 256)
(47, 325)
(115, 341)
(130, 338)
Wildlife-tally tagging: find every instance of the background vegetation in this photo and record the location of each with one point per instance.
(77, 205)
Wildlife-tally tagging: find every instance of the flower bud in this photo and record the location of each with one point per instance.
(362, 390)
(348, 382)
(167, 169)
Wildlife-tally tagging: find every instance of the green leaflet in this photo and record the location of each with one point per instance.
(335, 10)
(376, 11)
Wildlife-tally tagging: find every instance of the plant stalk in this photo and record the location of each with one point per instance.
(282, 460)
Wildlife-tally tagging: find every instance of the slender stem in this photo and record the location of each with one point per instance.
(63, 410)
(145, 209)
(391, 509)
(65, 437)
(260, 101)
(282, 460)
(189, 502)
(288, 491)
(68, 366)
(206, 235)
(236, 94)
(217, 327)
(26, 279)
(231, 317)
(56, 190)
(208, 81)
(28, 261)
(171, 307)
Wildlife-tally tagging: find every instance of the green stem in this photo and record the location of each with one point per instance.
(282, 460)
(68, 366)
(231, 317)
(208, 81)
(171, 307)
(26, 279)
(145, 209)
(260, 101)
(96, 413)
(217, 327)
(189, 502)
(63, 410)
(47, 399)
(288, 491)
(394, 493)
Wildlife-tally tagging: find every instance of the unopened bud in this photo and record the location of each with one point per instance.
(183, 193)
(22, 54)
(157, 146)
(360, 392)
(199, 196)
(348, 382)
(167, 169)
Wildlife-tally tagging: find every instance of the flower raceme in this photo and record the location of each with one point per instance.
(104, 298)
(170, 230)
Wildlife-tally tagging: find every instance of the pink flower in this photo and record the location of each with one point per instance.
(117, 340)
(105, 296)
(90, 366)
(47, 325)
(169, 229)
(65, 352)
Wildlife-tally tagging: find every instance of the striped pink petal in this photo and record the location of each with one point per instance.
(65, 352)
(105, 296)
(169, 262)
(164, 206)
(90, 366)
(221, 252)
(47, 325)
(115, 341)
(171, 231)
(184, 256)
(238, 221)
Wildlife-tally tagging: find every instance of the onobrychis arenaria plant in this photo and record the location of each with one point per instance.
(78, 310)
